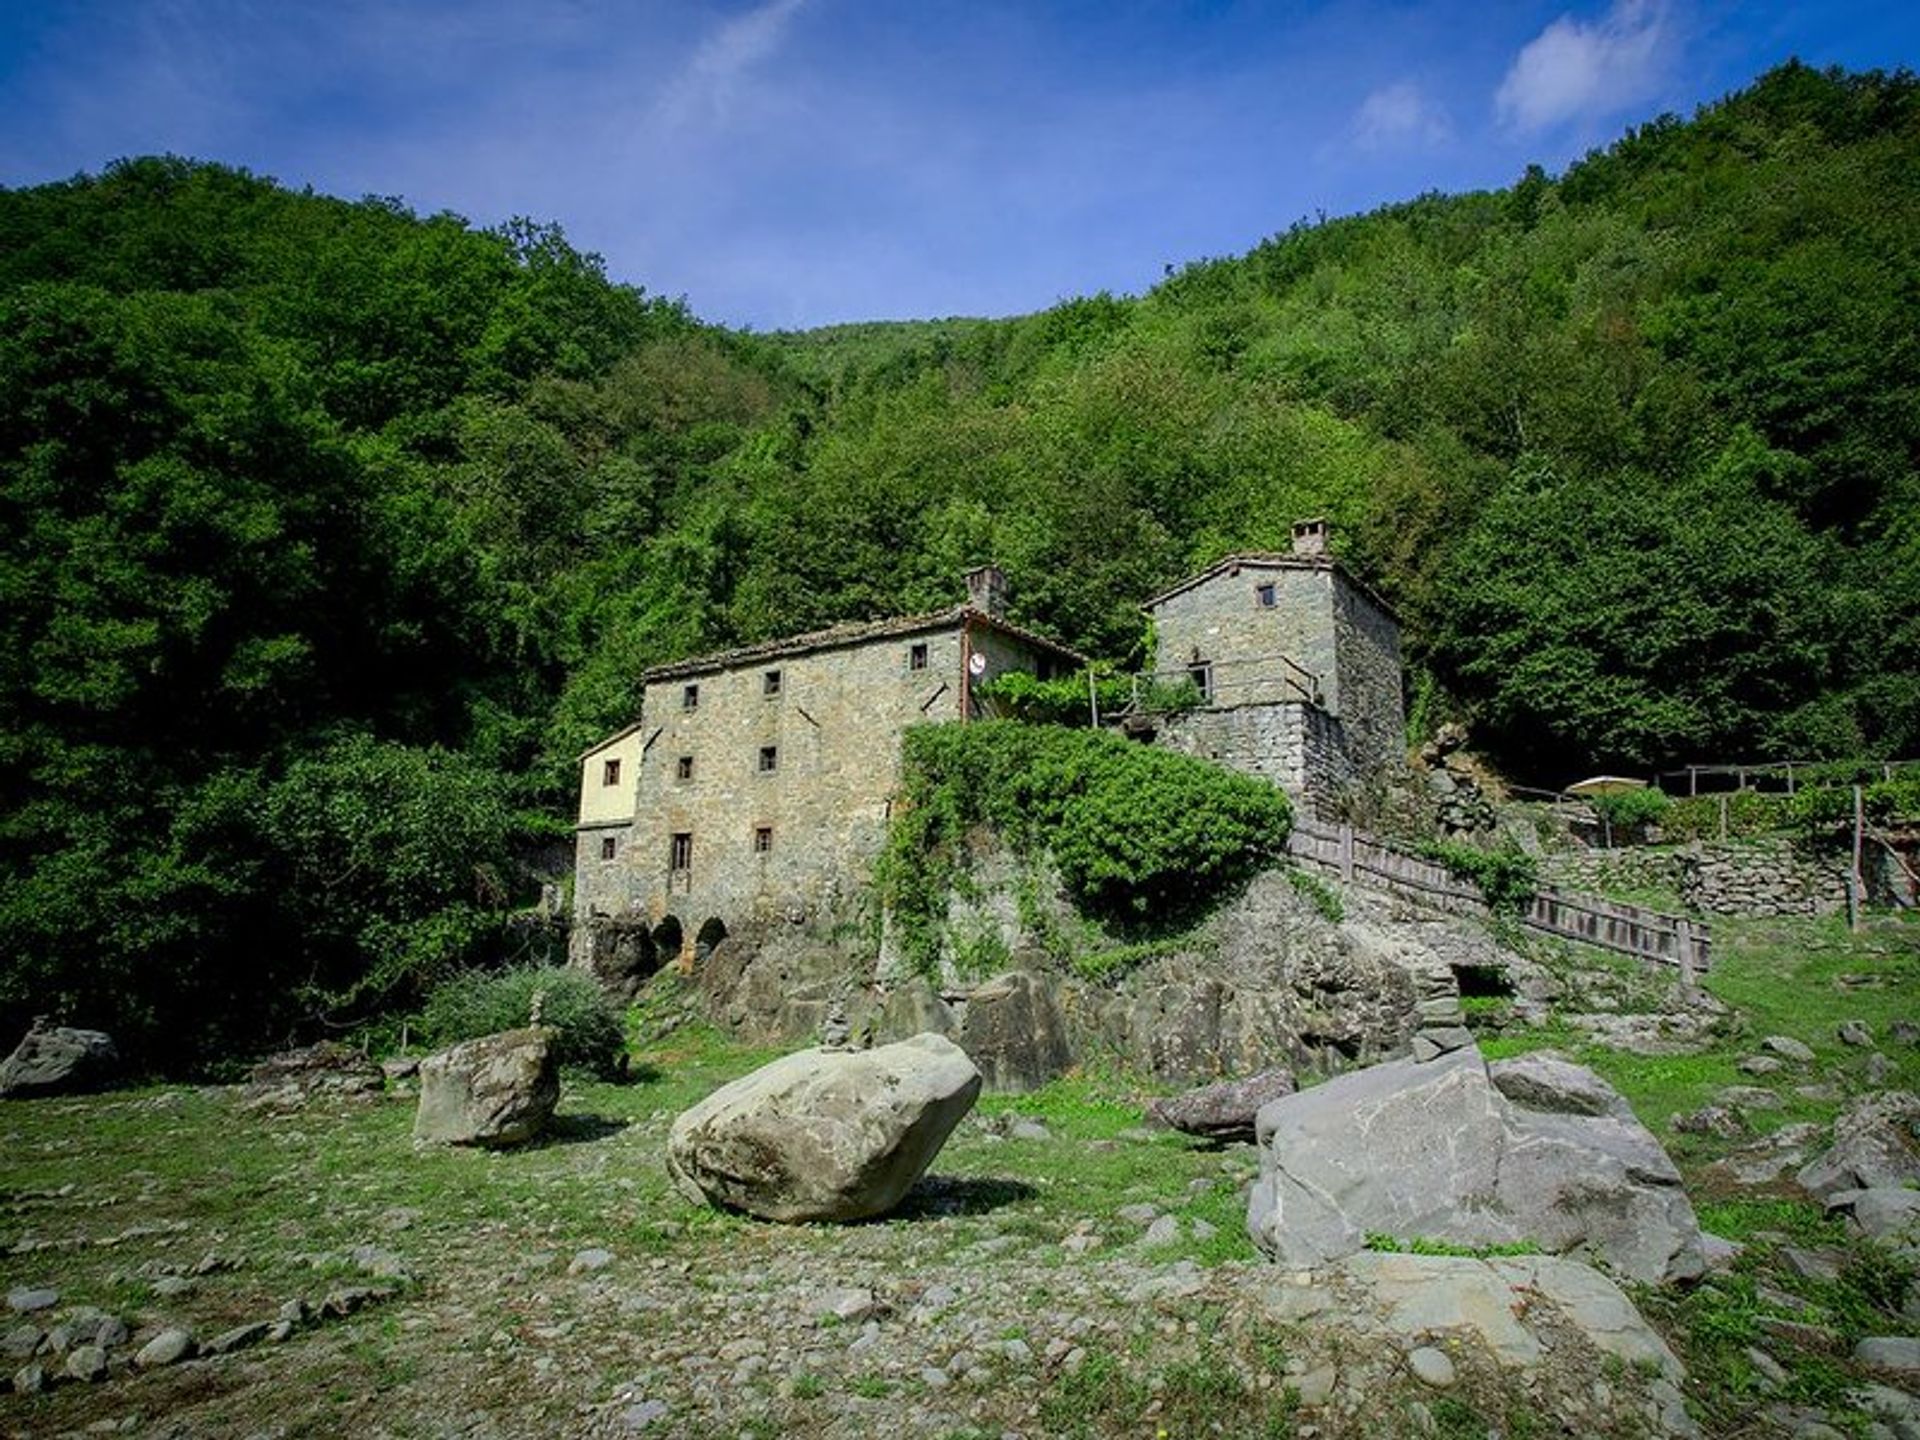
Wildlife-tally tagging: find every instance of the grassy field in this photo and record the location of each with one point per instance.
(481, 1320)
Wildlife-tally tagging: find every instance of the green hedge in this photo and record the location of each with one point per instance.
(1813, 811)
(480, 1002)
(1136, 832)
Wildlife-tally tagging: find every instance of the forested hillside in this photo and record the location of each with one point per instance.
(329, 533)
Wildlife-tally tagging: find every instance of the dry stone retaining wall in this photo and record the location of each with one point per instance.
(1745, 878)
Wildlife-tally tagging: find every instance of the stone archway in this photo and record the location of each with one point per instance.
(708, 938)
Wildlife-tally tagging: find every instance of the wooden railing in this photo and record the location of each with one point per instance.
(1360, 859)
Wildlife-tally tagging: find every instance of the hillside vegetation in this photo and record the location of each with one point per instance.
(329, 533)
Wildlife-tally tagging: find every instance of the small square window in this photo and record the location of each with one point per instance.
(609, 847)
(769, 758)
(770, 684)
(1201, 674)
(680, 856)
(683, 768)
(690, 698)
(1266, 596)
(917, 657)
(610, 773)
(763, 840)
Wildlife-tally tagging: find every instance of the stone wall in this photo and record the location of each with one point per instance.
(1299, 747)
(1220, 620)
(1743, 878)
(1369, 701)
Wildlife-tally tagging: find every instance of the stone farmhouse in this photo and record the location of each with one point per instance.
(757, 782)
(1298, 665)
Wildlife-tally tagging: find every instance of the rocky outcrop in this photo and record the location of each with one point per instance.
(1015, 1033)
(824, 1134)
(57, 1060)
(327, 1071)
(497, 1091)
(1224, 1111)
(1437, 1151)
(1876, 1142)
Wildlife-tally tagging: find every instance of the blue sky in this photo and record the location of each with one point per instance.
(799, 162)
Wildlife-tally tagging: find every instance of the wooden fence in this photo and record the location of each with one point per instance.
(1650, 935)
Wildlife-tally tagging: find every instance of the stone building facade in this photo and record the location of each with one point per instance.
(757, 781)
(1298, 663)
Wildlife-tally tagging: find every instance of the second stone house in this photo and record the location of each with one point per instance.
(757, 781)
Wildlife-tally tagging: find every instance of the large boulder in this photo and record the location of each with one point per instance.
(496, 1091)
(1436, 1151)
(1014, 1032)
(1223, 1111)
(56, 1060)
(1876, 1142)
(824, 1134)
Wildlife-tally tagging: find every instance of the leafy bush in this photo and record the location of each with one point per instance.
(1507, 876)
(1814, 810)
(480, 1002)
(1631, 809)
(1063, 701)
(1749, 812)
(1135, 832)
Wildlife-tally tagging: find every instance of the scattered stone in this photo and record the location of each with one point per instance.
(847, 1305)
(1716, 1120)
(29, 1380)
(21, 1342)
(1028, 1130)
(821, 1135)
(1430, 1045)
(1720, 1253)
(1750, 1097)
(493, 1092)
(1431, 1367)
(167, 1348)
(1825, 1093)
(1761, 1065)
(1138, 1214)
(1855, 1032)
(1765, 1160)
(379, 1263)
(1163, 1231)
(642, 1415)
(1224, 1111)
(327, 1071)
(1877, 1069)
(1888, 1214)
(1770, 1370)
(1014, 1032)
(1357, 1156)
(400, 1067)
(1873, 1145)
(1890, 1352)
(28, 1300)
(1788, 1048)
(87, 1363)
(296, 1312)
(1178, 1282)
(1904, 1032)
(587, 1262)
(1802, 1333)
(343, 1302)
(241, 1337)
(170, 1287)
(57, 1060)
(1822, 1265)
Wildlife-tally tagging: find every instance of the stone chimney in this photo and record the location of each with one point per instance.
(987, 591)
(1310, 537)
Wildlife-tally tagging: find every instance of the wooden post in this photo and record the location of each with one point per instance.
(1856, 881)
(1346, 852)
(1693, 781)
(1683, 930)
(1789, 777)
(1723, 816)
(1093, 698)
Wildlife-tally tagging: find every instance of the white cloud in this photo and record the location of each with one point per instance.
(707, 87)
(1574, 69)
(1398, 116)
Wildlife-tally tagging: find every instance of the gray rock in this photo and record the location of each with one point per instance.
(824, 1135)
(496, 1091)
(57, 1060)
(1138, 1214)
(589, 1261)
(29, 1299)
(1431, 1367)
(1750, 1097)
(1877, 1069)
(1028, 1130)
(1014, 1032)
(847, 1305)
(1436, 1151)
(1855, 1032)
(400, 1067)
(1788, 1048)
(87, 1363)
(1163, 1231)
(1904, 1032)
(1770, 1370)
(1223, 1111)
(167, 1348)
(21, 1342)
(1874, 1145)
(169, 1287)
(1551, 1083)
(29, 1380)
(1822, 1265)
(1720, 1253)
(1886, 1213)
(1761, 1065)
(241, 1337)
(381, 1263)
(642, 1415)
(1890, 1352)
(1432, 1043)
